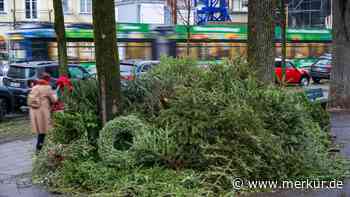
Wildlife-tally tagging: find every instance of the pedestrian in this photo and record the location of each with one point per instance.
(40, 100)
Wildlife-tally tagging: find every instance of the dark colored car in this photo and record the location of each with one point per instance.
(6, 102)
(21, 75)
(126, 71)
(321, 69)
(294, 75)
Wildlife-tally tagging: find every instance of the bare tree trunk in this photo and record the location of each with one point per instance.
(186, 19)
(340, 76)
(261, 34)
(60, 36)
(188, 27)
(14, 14)
(284, 38)
(174, 11)
(107, 60)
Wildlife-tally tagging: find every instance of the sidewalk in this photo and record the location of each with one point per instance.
(15, 170)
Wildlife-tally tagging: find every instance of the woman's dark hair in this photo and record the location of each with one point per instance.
(45, 76)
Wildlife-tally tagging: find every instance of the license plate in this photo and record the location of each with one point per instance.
(14, 84)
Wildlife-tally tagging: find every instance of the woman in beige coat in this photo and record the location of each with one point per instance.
(40, 100)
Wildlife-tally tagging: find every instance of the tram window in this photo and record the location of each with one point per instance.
(214, 50)
(4, 56)
(40, 50)
(135, 50)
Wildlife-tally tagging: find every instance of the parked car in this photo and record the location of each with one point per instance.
(140, 66)
(326, 56)
(21, 75)
(126, 71)
(129, 69)
(321, 69)
(293, 75)
(6, 102)
(304, 63)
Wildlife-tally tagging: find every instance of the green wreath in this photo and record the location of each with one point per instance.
(116, 141)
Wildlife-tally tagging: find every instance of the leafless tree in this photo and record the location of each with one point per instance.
(60, 36)
(185, 12)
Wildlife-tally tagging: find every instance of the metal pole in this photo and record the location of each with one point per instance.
(284, 40)
(14, 14)
(50, 16)
(173, 6)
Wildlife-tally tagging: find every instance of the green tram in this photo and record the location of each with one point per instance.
(141, 41)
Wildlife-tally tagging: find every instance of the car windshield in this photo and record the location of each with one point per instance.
(323, 63)
(21, 72)
(124, 68)
(278, 64)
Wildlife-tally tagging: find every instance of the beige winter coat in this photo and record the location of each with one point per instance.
(40, 118)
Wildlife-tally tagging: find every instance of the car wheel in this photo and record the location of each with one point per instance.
(316, 80)
(3, 108)
(304, 81)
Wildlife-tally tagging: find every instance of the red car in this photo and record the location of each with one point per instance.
(294, 75)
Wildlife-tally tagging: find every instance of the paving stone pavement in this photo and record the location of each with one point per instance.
(15, 170)
(16, 157)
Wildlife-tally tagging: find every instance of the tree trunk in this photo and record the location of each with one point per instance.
(340, 76)
(14, 15)
(188, 26)
(60, 36)
(174, 11)
(107, 60)
(261, 34)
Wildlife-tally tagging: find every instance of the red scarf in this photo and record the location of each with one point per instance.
(41, 82)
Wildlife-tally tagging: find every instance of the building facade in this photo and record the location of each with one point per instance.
(238, 11)
(142, 11)
(301, 13)
(16, 12)
(309, 13)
